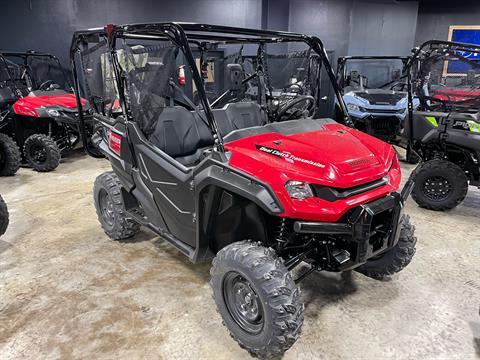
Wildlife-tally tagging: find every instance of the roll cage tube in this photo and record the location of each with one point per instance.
(182, 34)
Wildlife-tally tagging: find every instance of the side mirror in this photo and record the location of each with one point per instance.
(236, 76)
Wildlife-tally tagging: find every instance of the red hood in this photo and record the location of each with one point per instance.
(335, 156)
(27, 105)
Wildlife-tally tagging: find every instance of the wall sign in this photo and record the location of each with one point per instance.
(469, 34)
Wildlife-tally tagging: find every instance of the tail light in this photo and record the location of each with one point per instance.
(115, 142)
(181, 75)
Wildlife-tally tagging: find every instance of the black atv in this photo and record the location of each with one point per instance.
(260, 179)
(445, 128)
(3, 216)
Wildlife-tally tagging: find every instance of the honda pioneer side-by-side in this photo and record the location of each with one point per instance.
(260, 175)
(445, 128)
(374, 89)
(38, 111)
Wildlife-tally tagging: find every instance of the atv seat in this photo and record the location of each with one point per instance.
(184, 134)
(181, 134)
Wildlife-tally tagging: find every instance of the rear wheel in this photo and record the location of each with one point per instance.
(42, 153)
(3, 217)
(439, 185)
(10, 156)
(396, 258)
(257, 298)
(111, 213)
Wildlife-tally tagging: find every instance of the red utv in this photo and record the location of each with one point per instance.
(38, 111)
(260, 179)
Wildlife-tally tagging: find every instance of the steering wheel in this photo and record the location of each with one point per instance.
(286, 110)
(45, 85)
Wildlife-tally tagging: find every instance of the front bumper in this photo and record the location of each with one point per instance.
(371, 228)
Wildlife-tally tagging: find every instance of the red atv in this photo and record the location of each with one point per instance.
(38, 111)
(260, 180)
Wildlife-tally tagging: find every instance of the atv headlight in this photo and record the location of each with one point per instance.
(353, 107)
(53, 113)
(298, 190)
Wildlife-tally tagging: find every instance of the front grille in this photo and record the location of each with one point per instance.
(385, 111)
(334, 194)
(383, 123)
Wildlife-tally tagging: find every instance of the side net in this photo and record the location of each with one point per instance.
(149, 73)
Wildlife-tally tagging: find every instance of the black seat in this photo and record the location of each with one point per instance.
(239, 115)
(181, 133)
(184, 134)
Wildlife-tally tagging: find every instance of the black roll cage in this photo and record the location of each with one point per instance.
(341, 62)
(24, 55)
(182, 34)
(417, 53)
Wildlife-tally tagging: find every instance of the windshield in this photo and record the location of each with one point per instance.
(446, 77)
(362, 74)
(36, 72)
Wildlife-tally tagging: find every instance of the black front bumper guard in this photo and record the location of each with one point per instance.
(359, 227)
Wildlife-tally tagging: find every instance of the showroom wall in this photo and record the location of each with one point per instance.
(55, 20)
(355, 27)
(435, 17)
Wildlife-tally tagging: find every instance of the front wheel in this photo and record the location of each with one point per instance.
(257, 298)
(111, 212)
(439, 185)
(42, 153)
(395, 259)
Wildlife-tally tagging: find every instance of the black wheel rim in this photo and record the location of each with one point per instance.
(38, 154)
(437, 188)
(243, 303)
(106, 207)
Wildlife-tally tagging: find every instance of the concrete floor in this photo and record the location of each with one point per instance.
(67, 291)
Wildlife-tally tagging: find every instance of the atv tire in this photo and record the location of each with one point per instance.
(3, 217)
(439, 185)
(395, 259)
(10, 156)
(115, 221)
(41, 152)
(257, 298)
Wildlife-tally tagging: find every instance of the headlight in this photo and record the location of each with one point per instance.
(353, 107)
(53, 113)
(298, 190)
